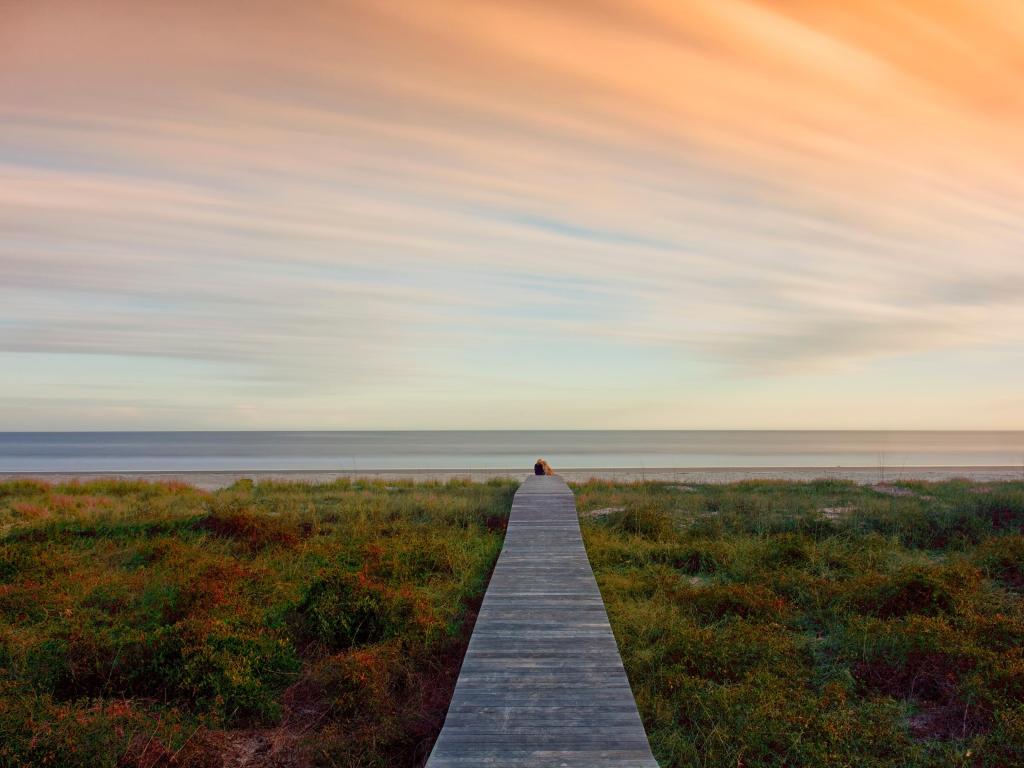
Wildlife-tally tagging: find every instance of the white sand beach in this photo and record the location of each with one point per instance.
(862, 475)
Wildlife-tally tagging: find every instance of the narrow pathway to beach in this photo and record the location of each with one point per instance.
(542, 684)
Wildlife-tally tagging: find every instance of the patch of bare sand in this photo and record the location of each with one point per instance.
(837, 513)
(603, 512)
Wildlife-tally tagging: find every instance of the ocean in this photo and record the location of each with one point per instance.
(482, 450)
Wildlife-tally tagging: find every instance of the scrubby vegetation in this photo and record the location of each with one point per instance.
(788, 624)
(272, 624)
(762, 624)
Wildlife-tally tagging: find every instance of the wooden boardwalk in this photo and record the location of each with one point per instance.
(542, 684)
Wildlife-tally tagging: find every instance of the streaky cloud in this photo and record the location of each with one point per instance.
(358, 203)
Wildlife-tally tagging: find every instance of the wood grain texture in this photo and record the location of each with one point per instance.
(542, 684)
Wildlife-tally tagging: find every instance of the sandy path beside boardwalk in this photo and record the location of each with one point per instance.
(865, 475)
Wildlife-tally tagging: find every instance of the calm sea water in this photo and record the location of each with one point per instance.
(209, 451)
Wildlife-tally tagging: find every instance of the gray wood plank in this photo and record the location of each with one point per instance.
(542, 684)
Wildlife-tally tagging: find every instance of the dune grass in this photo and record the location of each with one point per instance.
(810, 624)
(272, 624)
(761, 623)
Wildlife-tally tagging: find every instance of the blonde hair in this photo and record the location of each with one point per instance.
(542, 468)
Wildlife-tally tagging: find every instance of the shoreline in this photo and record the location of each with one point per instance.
(215, 479)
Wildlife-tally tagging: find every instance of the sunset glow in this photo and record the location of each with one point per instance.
(511, 214)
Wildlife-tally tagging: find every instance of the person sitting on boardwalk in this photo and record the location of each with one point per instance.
(542, 468)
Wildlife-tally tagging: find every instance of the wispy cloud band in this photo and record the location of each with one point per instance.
(376, 207)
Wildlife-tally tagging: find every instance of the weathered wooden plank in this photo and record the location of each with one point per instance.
(542, 684)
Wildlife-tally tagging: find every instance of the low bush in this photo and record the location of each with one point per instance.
(1001, 558)
(642, 519)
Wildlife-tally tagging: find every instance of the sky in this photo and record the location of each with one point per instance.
(511, 214)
